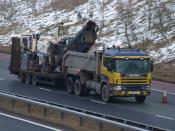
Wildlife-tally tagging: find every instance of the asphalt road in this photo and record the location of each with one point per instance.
(152, 112)
(14, 123)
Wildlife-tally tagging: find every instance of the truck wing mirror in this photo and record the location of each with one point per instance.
(152, 66)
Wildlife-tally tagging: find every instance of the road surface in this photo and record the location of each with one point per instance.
(152, 112)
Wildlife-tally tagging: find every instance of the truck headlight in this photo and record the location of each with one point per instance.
(117, 88)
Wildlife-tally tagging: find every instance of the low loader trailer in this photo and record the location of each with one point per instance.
(33, 65)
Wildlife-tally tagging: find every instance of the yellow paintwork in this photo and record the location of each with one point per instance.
(149, 78)
(115, 78)
(112, 76)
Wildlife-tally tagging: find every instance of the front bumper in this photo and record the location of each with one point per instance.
(127, 91)
(131, 93)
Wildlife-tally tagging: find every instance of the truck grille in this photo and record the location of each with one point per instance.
(134, 80)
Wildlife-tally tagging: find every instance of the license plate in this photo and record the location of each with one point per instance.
(134, 75)
(135, 92)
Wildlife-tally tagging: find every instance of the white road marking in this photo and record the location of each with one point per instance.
(169, 118)
(30, 122)
(164, 82)
(98, 102)
(43, 89)
(2, 79)
(162, 91)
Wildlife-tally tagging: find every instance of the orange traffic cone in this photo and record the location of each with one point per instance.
(164, 97)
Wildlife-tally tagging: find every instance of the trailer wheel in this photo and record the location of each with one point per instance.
(70, 85)
(28, 78)
(105, 93)
(21, 77)
(34, 81)
(78, 88)
(140, 99)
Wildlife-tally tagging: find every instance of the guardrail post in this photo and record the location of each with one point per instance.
(100, 126)
(122, 129)
(62, 116)
(29, 108)
(45, 111)
(81, 121)
(13, 103)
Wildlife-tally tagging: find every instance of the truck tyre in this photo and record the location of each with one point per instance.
(34, 81)
(140, 99)
(70, 85)
(21, 77)
(78, 90)
(28, 78)
(105, 93)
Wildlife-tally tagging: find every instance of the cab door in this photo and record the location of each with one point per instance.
(108, 70)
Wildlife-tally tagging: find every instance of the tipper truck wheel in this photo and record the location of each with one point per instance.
(105, 93)
(78, 89)
(22, 77)
(140, 99)
(70, 85)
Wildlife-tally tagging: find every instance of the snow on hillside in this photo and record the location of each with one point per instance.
(120, 22)
(164, 54)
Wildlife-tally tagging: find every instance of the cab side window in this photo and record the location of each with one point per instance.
(109, 63)
(105, 61)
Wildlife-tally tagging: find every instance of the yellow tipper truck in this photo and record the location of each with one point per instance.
(110, 73)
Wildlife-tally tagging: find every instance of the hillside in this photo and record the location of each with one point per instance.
(148, 24)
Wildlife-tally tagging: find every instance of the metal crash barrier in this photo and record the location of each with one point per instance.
(75, 118)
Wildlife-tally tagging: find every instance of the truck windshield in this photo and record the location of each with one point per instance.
(132, 66)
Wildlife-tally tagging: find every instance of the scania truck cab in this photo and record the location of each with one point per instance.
(126, 72)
